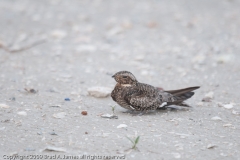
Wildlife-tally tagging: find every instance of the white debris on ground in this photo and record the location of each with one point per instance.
(99, 92)
(122, 126)
(59, 115)
(4, 106)
(216, 118)
(227, 106)
(208, 97)
(22, 113)
(56, 149)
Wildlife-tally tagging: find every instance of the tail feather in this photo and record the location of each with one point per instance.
(181, 95)
(182, 91)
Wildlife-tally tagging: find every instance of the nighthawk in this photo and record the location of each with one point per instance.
(133, 95)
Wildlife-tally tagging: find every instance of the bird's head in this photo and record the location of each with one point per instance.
(125, 78)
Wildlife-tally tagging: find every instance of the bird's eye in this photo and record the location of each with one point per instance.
(124, 76)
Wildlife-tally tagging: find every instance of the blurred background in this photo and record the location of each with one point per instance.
(163, 42)
(61, 48)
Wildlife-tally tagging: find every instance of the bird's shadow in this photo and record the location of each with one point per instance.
(172, 108)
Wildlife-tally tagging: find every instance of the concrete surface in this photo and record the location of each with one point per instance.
(62, 48)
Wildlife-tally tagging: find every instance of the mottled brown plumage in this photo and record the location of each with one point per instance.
(133, 95)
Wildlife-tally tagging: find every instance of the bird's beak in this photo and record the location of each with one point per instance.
(113, 76)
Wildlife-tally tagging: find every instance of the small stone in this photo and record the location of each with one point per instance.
(235, 112)
(200, 104)
(12, 99)
(53, 133)
(227, 125)
(56, 149)
(228, 106)
(30, 90)
(39, 133)
(84, 113)
(110, 116)
(4, 106)
(122, 126)
(86, 132)
(22, 113)
(211, 146)
(208, 97)
(59, 115)
(224, 58)
(209, 94)
(67, 99)
(58, 34)
(13, 154)
(99, 92)
(216, 118)
(57, 106)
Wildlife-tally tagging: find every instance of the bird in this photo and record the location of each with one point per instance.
(136, 96)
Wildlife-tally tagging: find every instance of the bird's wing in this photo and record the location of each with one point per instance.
(143, 96)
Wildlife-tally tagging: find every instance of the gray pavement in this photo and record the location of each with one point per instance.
(62, 48)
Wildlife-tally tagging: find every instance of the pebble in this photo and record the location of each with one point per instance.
(208, 97)
(84, 113)
(30, 90)
(58, 34)
(227, 125)
(211, 146)
(59, 115)
(4, 106)
(228, 106)
(235, 112)
(22, 113)
(53, 133)
(200, 104)
(12, 99)
(13, 154)
(56, 149)
(122, 126)
(39, 133)
(110, 116)
(67, 99)
(99, 92)
(57, 106)
(224, 58)
(216, 118)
